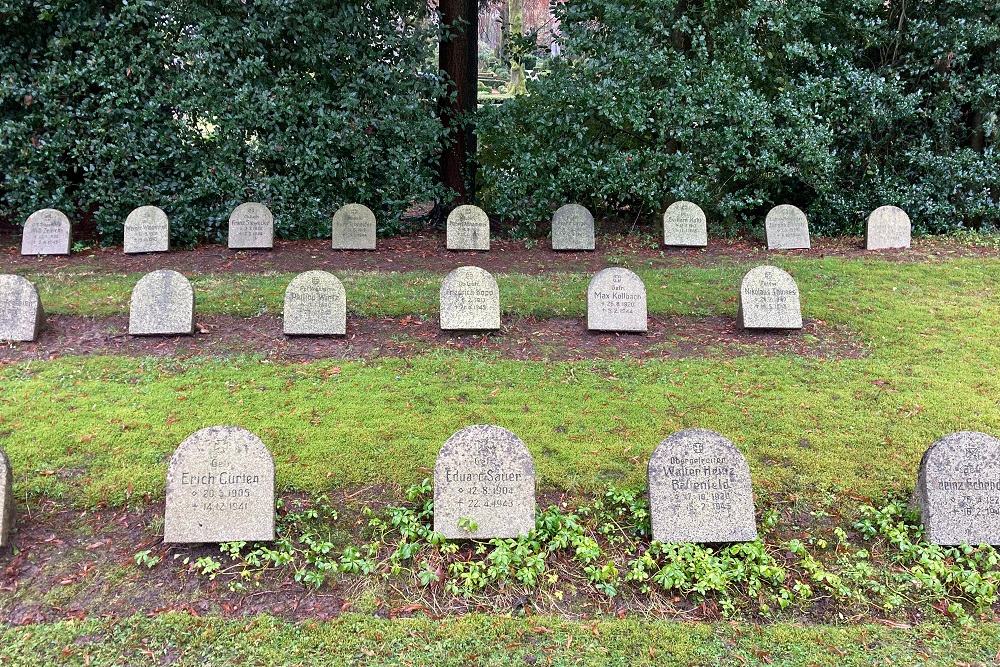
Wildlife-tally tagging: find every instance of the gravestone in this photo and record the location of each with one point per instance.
(787, 228)
(685, 224)
(616, 301)
(484, 485)
(6, 499)
(573, 228)
(354, 228)
(470, 300)
(700, 491)
(468, 229)
(888, 227)
(769, 299)
(46, 232)
(21, 314)
(315, 305)
(147, 229)
(958, 490)
(220, 488)
(251, 225)
(162, 304)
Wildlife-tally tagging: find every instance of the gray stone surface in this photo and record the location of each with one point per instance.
(573, 228)
(6, 500)
(888, 227)
(958, 490)
(685, 224)
(147, 229)
(769, 299)
(251, 225)
(162, 303)
(470, 300)
(468, 229)
(616, 301)
(220, 488)
(700, 491)
(46, 232)
(354, 228)
(315, 305)
(787, 228)
(484, 475)
(21, 314)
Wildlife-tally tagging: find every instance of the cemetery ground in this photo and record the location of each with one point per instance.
(898, 349)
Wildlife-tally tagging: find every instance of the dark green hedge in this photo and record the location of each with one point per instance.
(197, 106)
(838, 106)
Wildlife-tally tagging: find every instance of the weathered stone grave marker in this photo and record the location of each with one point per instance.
(888, 227)
(700, 491)
(315, 305)
(470, 300)
(685, 225)
(21, 314)
(616, 301)
(251, 226)
(769, 299)
(573, 228)
(147, 229)
(162, 304)
(46, 232)
(468, 229)
(484, 485)
(787, 228)
(354, 228)
(958, 490)
(6, 499)
(220, 488)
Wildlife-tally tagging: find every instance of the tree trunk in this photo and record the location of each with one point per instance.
(459, 60)
(515, 10)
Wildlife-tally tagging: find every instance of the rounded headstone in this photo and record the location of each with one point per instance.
(468, 229)
(147, 229)
(220, 488)
(484, 485)
(616, 301)
(470, 300)
(685, 224)
(251, 225)
(958, 490)
(6, 500)
(787, 228)
(888, 227)
(769, 299)
(162, 304)
(21, 314)
(315, 305)
(700, 490)
(354, 228)
(46, 232)
(573, 228)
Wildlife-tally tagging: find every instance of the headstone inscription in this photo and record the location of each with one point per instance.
(468, 229)
(616, 301)
(354, 228)
(315, 305)
(484, 485)
(21, 314)
(147, 229)
(470, 300)
(888, 227)
(787, 228)
(573, 228)
(769, 299)
(251, 226)
(6, 500)
(46, 232)
(700, 490)
(958, 490)
(220, 488)
(685, 225)
(162, 304)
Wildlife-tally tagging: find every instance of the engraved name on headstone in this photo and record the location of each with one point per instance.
(147, 229)
(251, 225)
(468, 229)
(470, 300)
(162, 304)
(21, 314)
(315, 305)
(46, 232)
(685, 225)
(787, 228)
(616, 301)
(354, 228)
(769, 299)
(573, 228)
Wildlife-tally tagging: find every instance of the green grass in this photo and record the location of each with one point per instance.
(477, 640)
